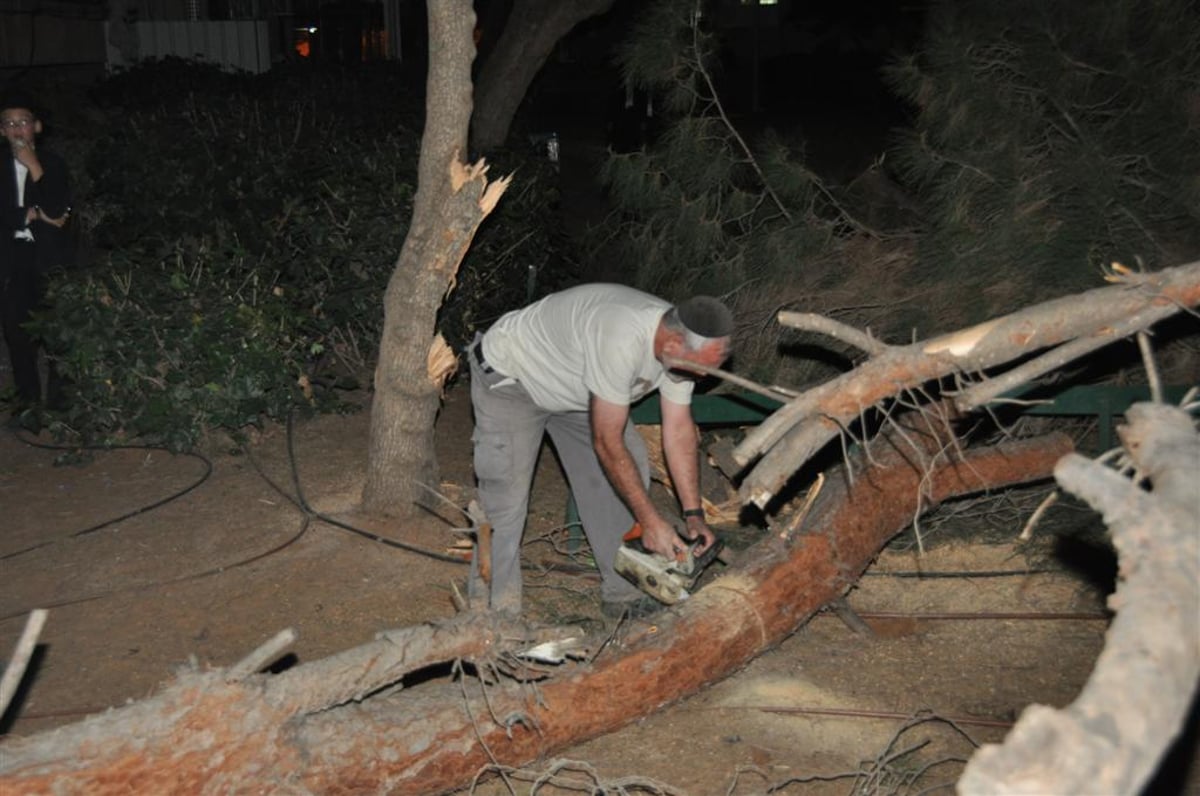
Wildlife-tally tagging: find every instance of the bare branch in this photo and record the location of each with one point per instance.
(1068, 352)
(1152, 377)
(716, 101)
(792, 435)
(21, 655)
(1036, 517)
(812, 322)
(261, 656)
(772, 392)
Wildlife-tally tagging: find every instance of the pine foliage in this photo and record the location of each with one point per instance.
(707, 209)
(1050, 139)
(704, 207)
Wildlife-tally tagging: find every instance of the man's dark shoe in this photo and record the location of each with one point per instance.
(638, 608)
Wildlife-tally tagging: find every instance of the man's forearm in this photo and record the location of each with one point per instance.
(608, 437)
(682, 450)
(681, 445)
(625, 478)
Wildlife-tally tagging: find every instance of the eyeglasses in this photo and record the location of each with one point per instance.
(16, 124)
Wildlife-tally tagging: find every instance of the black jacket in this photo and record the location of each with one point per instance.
(52, 193)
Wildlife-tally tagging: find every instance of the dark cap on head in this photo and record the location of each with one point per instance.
(13, 97)
(706, 316)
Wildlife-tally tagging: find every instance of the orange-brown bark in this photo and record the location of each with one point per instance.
(204, 735)
(706, 638)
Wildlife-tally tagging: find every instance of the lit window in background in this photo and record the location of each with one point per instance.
(302, 43)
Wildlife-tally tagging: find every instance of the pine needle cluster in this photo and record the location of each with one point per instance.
(1050, 139)
(705, 210)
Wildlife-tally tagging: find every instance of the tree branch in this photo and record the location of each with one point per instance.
(1135, 703)
(787, 439)
(812, 322)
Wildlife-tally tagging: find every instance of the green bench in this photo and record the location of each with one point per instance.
(1102, 401)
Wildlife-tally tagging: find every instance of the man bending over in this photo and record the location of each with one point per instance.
(571, 365)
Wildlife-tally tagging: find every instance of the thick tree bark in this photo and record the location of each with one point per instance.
(206, 735)
(454, 731)
(1111, 739)
(208, 732)
(534, 27)
(452, 199)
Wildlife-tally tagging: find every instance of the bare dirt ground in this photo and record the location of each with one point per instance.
(206, 577)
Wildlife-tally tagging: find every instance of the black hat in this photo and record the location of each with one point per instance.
(706, 316)
(13, 97)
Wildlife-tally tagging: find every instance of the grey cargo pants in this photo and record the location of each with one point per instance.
(509, 428)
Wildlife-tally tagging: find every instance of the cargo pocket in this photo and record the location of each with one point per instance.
(494, 459)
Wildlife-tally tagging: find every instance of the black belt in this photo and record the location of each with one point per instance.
(477, 351)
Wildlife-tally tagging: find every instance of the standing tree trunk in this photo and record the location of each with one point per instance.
(452, 199)
(533, 28)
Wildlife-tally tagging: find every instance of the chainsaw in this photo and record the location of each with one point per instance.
(666, 580)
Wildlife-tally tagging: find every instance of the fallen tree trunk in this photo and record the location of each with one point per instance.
(305, 731)
(1111, 739)
(708, 637)
(209, 731)
(206, 735)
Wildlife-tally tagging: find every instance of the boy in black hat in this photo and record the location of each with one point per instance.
(570, 365)
(34, 207)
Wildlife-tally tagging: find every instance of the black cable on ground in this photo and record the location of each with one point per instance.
(208, 468)
(304, 525)
(301, 503)
(858, 713)
(983, 573)
(962, 616)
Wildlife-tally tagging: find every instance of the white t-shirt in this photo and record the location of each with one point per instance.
(22, 172)
(596, 338)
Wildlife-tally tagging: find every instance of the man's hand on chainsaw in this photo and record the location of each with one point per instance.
(661, 537)
(669, 542)
(697, 528)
